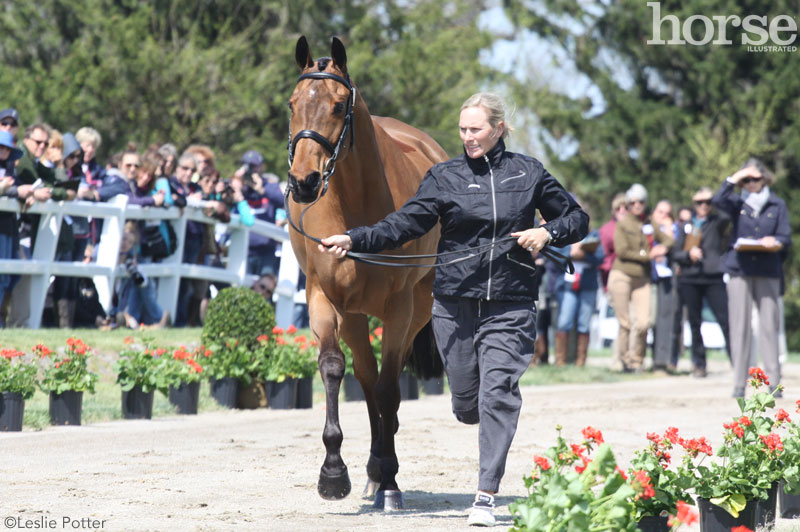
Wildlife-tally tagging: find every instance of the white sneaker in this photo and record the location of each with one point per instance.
(482, 512)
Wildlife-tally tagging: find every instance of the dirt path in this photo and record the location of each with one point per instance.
(257, 470)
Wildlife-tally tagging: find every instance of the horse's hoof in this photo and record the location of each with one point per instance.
(389, 500)
(333, 488)
(370, 489)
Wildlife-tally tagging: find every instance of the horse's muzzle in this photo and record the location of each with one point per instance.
(307, 190)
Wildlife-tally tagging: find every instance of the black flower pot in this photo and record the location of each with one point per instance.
(409, 387)
(653, 523)
(65, 408)
(766, 508)
(790, 504)
(352, 388)
(185, 397)
(225, 391)
(137, 404)
(714, 518)
(305, 393)
(12, 410)
(281, 395)
(432, 386)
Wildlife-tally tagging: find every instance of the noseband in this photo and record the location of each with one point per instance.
(330, 164)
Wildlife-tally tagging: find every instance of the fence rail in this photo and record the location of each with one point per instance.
(41, 266)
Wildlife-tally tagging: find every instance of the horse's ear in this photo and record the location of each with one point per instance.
(338, 54)
(302, 54)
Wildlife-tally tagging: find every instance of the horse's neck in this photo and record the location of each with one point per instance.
(359, 183)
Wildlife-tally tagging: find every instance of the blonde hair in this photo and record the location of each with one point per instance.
(618, 201)
(56, 140)
(90, 135)
(495, 109)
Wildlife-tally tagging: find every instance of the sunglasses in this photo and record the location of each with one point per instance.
(702, 202)
(634, 202)
(747, 180)
(39, 142)
(132, 165)
(187, 168)
(8, 123)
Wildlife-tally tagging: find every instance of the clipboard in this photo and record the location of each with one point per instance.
(692, 240)
(751, 244)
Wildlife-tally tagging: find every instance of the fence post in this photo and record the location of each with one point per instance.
(169, 286)
(44, 251)
(287, 286)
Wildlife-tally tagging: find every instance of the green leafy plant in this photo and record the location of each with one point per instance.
(183, 367)
(751, 454)
(670, 487)
(570, 491)
(143, 365)
(17, 373)
(67, 371)
(231, 359)
(791, 448)
(287, 355)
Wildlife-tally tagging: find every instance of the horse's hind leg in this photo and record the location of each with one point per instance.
(355, 332)
(334, 481)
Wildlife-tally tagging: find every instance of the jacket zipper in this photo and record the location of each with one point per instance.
(494, 229)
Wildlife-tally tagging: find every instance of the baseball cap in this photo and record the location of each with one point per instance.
(252, 158)
(8, 141)
(10, 113)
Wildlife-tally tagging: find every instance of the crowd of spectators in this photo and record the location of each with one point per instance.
(724, 252)
(46, 164)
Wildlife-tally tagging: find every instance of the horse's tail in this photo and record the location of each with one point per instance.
(425, 361)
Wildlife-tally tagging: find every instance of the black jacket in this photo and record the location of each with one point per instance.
(479, 201)
(714, 238)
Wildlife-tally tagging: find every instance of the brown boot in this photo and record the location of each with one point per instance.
(583, 349)
(562, 339)
(540, 350)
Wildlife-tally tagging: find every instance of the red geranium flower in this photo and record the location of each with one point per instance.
(759, 377)
(642, 483)
(740, 529)
(291, 329)
(772, 441)
(782, 415)
(542, 462)
(277, 330)
(592, 434)
(686, 515)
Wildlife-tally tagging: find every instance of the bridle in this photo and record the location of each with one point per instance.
(330, 164)
(330, 168)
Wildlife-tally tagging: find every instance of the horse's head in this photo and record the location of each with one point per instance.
(321, 122)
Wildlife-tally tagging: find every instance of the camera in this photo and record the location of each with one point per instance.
(133, 272)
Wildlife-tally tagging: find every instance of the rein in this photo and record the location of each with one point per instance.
(564, 263)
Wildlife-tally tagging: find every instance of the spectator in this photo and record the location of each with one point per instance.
(619, 208)
(636, 244)
(9, 121)
(264, 195)
(667, 334)
(9, 239)
(265, 286)
(119, 181)
(699, 246)
(54, 153)
(754, 261)
(136, 294)
(169, 154)
(73, 236)
(685, 215)
(204, 158)
(577, 296)
(94, 175)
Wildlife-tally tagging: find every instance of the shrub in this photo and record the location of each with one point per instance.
(237, 313)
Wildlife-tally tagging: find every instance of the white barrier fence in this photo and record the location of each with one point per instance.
(41, 266)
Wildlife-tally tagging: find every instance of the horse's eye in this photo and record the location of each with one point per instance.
(338, 108)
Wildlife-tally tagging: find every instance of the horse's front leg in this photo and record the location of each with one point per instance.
(395, 348)
(355, 332)
(334, 482)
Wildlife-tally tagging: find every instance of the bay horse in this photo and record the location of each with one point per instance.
(374, 164)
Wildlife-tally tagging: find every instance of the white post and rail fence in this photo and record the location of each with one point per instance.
(41, 266)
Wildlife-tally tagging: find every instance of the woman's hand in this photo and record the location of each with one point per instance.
(337, 245)
(749, 171)
(533, 239)
(770, 241)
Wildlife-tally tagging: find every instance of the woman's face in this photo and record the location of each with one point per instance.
(753, 184)
(636, 207)
(476, 133)
(89, 151)
(4, 152)
(143, 179)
